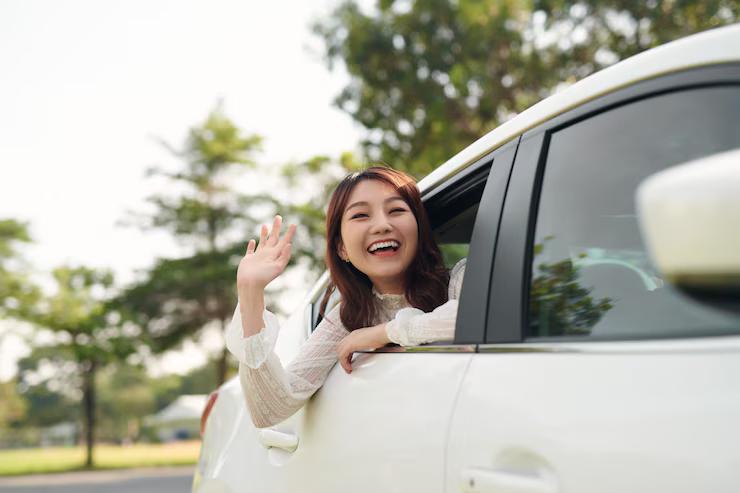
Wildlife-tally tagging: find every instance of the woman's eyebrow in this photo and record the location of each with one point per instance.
(361, 203)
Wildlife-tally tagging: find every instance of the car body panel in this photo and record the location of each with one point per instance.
(603, 416)
(382, 428)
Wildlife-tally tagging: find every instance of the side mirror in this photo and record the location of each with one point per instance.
(690, 220)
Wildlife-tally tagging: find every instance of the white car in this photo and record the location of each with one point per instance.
(596, 349)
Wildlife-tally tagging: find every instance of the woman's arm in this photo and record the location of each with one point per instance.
(412, 327)
(274, 393)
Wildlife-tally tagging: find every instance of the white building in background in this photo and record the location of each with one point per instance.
(180, 420)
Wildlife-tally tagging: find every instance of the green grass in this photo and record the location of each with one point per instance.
(58, 459)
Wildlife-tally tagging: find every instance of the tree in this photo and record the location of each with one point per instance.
(177, 298)
(46, 406)
(14, 406)
(17, 291)
(89, 332)
(428, 77)
(559, 304)
(125, 398)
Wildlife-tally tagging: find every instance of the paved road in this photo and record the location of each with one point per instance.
(156, 480)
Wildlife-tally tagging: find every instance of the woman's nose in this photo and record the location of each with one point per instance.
(381, 224)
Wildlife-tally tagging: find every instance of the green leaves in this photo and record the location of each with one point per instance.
(428, 77)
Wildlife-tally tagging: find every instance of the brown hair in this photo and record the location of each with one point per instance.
(426, 277)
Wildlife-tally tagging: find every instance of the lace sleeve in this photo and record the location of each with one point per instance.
(412, 327)
(274, 393)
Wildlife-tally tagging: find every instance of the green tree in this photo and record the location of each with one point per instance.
(88, 332)
(428, 77)
(559, 304)
(178, 297)
(14, 406)
(125, 398)
(46, 406)
(17, 291)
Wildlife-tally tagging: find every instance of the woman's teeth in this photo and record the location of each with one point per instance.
(383, 245)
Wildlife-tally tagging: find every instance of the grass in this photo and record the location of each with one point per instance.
(59, 459)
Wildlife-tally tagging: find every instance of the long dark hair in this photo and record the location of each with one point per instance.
(426, 278)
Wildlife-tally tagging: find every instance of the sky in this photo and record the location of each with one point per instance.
(87, 90)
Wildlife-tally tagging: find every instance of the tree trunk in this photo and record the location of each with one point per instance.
(89, 405)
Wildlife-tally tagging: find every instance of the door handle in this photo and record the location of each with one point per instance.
(279, 439)
(481, 480)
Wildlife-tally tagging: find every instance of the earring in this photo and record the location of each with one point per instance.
(346, 259)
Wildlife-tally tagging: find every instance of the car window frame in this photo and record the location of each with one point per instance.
(506, 319)
(491, 172)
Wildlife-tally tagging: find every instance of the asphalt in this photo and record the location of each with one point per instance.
(159, 480)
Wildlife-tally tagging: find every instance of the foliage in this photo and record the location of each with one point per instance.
(428, 77)
(177, 298)
(125, 397)
(89, 334)
(559, 304)
(13, 408)
(17, 292)
(46, 406)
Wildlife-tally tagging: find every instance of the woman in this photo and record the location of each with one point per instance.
(389, 271)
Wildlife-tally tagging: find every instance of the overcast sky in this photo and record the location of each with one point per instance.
(87, 87)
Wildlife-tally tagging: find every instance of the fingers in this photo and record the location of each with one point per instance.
(275, 233)
(250, 246)
(273, 238)
(285, 244)
(289, 234)
(344, 356)
(285, 254)
(263, 235)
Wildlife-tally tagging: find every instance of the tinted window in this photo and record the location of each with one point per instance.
(590, 271)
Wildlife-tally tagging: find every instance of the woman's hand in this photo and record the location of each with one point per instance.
(357, 340)
(264, 262)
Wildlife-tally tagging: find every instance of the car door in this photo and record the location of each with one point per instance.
(596, 374)
(383, 427)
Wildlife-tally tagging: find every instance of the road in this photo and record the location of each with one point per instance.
(159, 480)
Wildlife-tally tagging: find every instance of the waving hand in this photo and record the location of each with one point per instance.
(265, 261)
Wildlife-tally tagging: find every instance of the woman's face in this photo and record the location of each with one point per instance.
(379, 234)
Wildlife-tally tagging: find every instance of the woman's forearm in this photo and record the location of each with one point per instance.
(251, 308)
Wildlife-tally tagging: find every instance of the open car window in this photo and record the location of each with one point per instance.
(452, 224)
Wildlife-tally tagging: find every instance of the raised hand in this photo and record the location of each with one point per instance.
(265, 261)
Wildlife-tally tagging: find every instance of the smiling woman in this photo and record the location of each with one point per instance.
(389, 273)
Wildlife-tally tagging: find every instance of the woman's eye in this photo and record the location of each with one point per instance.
(398, 209)
(358, 215)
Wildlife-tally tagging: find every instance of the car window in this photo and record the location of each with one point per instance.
(590, 273)
(452, 231)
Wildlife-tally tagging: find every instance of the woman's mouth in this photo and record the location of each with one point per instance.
(385, 248)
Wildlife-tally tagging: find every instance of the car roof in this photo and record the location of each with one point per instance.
(710, 47)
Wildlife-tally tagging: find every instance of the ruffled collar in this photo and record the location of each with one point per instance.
(390, 300)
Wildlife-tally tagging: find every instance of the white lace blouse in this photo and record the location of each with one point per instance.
(274, 393)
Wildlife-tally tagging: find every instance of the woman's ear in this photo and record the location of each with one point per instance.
(341, 251)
